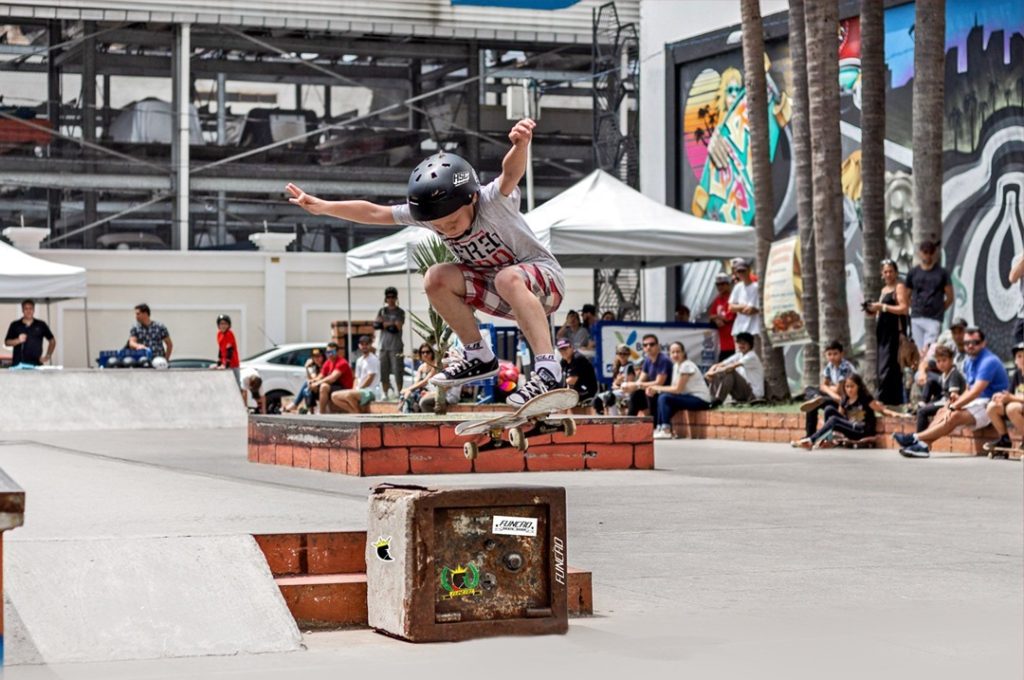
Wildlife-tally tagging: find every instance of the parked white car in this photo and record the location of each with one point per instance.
(282, 369)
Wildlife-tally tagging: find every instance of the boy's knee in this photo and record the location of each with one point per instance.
(508, 280)
(438, 278)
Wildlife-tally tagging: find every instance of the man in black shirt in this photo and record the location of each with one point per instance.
(931, 294)
(26, 335)
(579, 372)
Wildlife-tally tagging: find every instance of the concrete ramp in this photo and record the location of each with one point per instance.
(140, 399)
(141, 598)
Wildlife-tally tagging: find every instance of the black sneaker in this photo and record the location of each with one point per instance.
(460, 370)
(1002, 443)
(540, 382)
(903, 439)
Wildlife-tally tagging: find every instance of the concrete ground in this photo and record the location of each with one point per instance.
(731, 560)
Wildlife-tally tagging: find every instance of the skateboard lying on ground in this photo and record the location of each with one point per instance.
(533, 418)
(1002, 452)
(868, 442)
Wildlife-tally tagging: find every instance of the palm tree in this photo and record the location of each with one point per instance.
(872, 166)
(821, 18)
(929, 94)
(804, 190)
(776, 385)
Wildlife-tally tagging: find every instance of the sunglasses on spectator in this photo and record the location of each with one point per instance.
(972, 343)
(650, 344)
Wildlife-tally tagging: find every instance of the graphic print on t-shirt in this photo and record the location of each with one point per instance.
(482, 249)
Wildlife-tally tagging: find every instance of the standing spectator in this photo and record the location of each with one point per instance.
(985, 376)
(745, 301)
(227, 346)
(390, 320)
(573, 330)
(335, 374)
(741, 376)
(952, 385)
(588, 313)
(1008, 405)
(623, 370)
(306, 396)
(656, 370)
(26, 336)
(890, 310)
(929, 377)
(682, 314)
(931, 294)
(357, 400)
(149, 334)
(578, 371)
(686, 391)
(1017, 277)
(836, 369)
(854, 418)
(723, 317)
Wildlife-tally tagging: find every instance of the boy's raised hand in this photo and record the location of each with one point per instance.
(307, 202)
(522, 132)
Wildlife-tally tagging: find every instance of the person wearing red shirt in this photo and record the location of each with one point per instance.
(720, 315)
(227, 346)
(335, 375)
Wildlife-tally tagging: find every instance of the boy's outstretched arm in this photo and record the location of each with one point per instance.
(514, 164)
(363, 212)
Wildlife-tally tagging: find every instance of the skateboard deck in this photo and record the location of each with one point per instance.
(1001, 452)
(535, 414)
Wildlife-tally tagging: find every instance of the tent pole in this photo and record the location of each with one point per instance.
(348, 293)
(408, 289)
(88, 352)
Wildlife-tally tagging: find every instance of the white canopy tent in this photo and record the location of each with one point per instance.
(23, 276)
(599, 222)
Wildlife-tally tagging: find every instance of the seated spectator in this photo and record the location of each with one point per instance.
(1008, 405)
(985, 376)
(740, 376)
(928, 377)
(306, 398)
(687, 391)
(149, 334)
(952, 385)
(656, 370)
(367, 381)
(335, 374)
(836, 369)
(623, 370)
(608, 316)
(421, 396)
(573, 330)
(854, 418)
(578, 371)
(682, 314)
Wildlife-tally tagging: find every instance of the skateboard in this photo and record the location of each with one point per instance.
(1001, 452)
(864, 443)
(531, 419)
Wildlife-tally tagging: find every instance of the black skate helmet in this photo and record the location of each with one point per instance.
(223, 317)
(440, 185)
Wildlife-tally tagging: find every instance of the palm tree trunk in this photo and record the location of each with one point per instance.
(872, 168)
(929, 93)
(804, 190)
(776, 385)
(822, 18)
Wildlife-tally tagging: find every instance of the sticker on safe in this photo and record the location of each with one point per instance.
(514, 526)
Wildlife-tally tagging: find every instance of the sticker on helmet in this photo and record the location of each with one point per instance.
(460, 178)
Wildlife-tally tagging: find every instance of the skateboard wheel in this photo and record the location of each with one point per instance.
(517, 439)
(569, 427)
(471, 450)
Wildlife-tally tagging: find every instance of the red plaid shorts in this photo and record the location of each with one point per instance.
(482, 294)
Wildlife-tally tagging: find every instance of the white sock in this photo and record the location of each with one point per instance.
(479, 350)
(547, 361)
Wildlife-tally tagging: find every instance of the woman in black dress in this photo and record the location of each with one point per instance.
(891, 312)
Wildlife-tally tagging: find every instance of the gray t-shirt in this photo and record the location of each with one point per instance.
(498, 237)
(391, 341)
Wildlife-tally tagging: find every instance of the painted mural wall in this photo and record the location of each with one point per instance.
(983, 161)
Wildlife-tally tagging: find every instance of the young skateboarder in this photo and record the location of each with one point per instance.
(503, 269)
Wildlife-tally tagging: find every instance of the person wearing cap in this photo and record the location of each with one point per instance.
(723, 317)
(928, 377)
(1008, 405)
(745, 302)
(573, 330)
(335, 374)
(502, 268)
(390, 320)
(367, 381)
(588, 314)
(931, 294)
(623, 370)
(578, 371)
